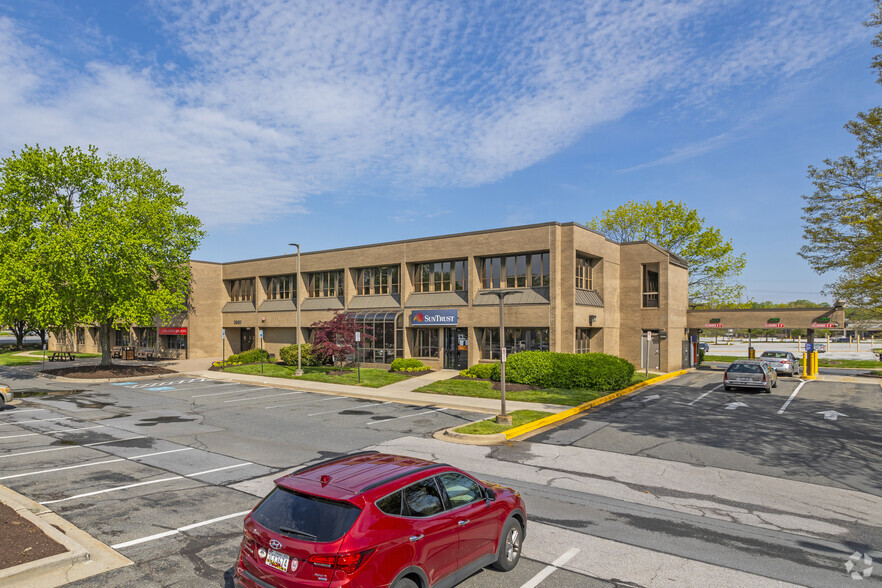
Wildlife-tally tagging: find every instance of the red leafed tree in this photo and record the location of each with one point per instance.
(335, 339)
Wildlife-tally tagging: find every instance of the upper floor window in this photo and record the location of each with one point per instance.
(650, 285)
(584, 273)
(281, 288)
(378, 280)
(242, 290)
(515, 271)
(441, 276)
(326, 284)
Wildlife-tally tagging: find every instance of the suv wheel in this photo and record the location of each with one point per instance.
(510, 550)
(405, 583)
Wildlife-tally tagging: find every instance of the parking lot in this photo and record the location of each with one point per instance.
(164, 470)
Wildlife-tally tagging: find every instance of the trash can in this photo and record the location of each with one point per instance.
(129, 353)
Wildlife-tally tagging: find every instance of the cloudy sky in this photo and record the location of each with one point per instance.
(349, 123)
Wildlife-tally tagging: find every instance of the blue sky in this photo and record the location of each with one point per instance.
(337, 124)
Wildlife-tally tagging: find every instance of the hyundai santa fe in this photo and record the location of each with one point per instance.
(373, 520)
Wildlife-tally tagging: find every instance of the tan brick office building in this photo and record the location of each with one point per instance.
(429, 298)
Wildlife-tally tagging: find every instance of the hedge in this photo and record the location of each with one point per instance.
(288, 355)
(483, 371)
(408, 365)
(589, 371)
(251, 356)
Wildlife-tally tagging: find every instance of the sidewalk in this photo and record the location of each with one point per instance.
(402, 392)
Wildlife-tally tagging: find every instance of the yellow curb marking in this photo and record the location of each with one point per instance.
(517, 431)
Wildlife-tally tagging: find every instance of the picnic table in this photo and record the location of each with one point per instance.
(61, 356)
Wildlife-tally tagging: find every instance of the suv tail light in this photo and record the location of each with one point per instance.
(347, 562)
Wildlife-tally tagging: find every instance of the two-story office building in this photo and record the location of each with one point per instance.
(432, 299)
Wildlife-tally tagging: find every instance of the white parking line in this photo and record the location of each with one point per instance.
(705, 394)
(87, 465)
(97, 492)
(178, 530)
(18, 410)
(261, 397)
(238, 465)
(340, 409)
(549, 569)
(24, 422)
(407, 416)
(792, 396)
(56, 431)
(72, 446)
(213, 386)
(306, 402)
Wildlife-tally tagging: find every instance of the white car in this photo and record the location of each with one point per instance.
(5, 395)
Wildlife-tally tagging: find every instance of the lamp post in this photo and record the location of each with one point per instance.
(502, 418)
(299, 371)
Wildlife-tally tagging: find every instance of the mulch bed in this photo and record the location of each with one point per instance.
(509, 386)
(23, 541)
(96, 372)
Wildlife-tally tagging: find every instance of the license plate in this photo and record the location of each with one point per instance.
(277, 560)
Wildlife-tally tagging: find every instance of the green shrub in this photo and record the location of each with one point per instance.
(401, 364)
(288, 355)
(483, 371)
(589, 371)
(251, 356)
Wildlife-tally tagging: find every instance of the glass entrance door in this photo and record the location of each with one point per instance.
(456, 348)
(246, 339)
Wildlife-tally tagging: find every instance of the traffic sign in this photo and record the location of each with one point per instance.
(261, 333)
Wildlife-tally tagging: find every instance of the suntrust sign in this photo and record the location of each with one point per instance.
(433, 318)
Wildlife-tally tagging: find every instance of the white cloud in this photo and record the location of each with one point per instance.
(285, 100)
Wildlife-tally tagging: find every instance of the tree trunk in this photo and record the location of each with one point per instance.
(42, 334)
(104, 337)
(19, 329)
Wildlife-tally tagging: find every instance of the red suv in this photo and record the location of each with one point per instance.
(373, 520)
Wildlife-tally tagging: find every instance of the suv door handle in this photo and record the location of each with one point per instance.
(464, 522)
(415, 538)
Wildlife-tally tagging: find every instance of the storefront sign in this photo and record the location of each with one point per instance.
(172, 330)
(774, 325)
(434, 318)
(714, 325)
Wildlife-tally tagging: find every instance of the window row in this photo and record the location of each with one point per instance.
(432, 496)
(530, 270)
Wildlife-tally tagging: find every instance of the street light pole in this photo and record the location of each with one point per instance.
(299, 371)
(503, 418)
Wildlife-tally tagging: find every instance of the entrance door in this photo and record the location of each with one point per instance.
(246, 339)
(650, 352)
(456, 348)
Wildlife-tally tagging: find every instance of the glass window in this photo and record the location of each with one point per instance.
(423, 498)
(175, 341)
(281, 288)
(461, 490)
(146, 337)
(242, 290)
(378, 280)
(650, 285)
(584, 273)
(305, 517)
(391, 504)
(326, 284)
(583, 340)
(121, 337)
(81, 336)
(427, 342)
(516, 339)
(441, 276)
(515, 271)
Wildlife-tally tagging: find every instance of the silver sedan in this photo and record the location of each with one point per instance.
(5, 394)
(747, 373)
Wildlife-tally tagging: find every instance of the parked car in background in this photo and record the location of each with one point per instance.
(372, 519)
(704, 347)
(750, 373)
(820, 347)
(782, 362)
(5, 394)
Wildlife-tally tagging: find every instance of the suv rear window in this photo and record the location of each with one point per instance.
(749, 368)
(305, 517)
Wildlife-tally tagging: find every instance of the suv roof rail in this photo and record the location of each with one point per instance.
(312, 466)
(401, 475)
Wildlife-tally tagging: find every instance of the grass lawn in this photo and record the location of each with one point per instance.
(484, 389)
(370, 377)
(490, 427)
(10, 358)
(822, 362)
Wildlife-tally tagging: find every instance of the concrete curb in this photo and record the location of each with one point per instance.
(85, 556)
(546, 422)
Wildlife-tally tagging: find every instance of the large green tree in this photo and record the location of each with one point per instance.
(843, 216)
(92, 240)
(713, 264)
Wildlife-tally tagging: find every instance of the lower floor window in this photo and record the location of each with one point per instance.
(427, 342)
(516, 339)
(175, 341)
(583, 340)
